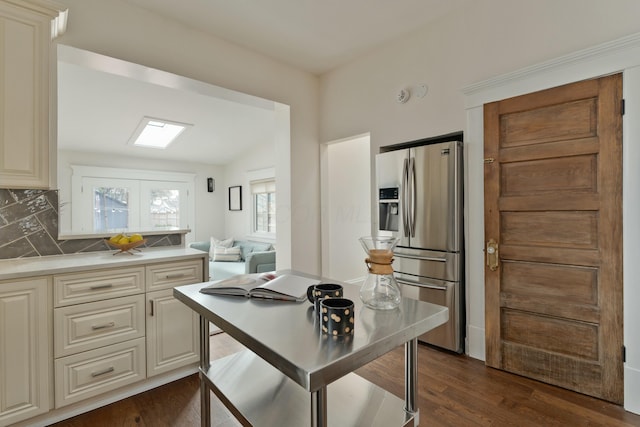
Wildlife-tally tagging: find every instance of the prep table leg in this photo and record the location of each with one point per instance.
(319, 408)
(205, 393)
(411, 377)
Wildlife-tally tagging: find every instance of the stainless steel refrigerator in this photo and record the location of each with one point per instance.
(420, 200)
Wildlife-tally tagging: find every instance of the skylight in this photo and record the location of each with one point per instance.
(157, 133)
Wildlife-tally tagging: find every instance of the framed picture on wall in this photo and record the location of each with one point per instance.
(235, 198)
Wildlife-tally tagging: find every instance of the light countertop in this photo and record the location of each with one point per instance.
(40, 266)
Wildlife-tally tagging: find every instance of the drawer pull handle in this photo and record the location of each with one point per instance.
(174, 276)
(104, 371)
(107, 325)
(108, 285)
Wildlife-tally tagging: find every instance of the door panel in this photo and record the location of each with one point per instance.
(576, 173)
(576, 119)
(576, 230)
(553, 202)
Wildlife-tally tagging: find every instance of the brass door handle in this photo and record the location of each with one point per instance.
(492, 255)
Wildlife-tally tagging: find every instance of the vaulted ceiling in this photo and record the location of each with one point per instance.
(99, 111)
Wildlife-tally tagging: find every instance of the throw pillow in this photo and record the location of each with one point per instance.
(215, 243)
(226, 243)
(226, 254)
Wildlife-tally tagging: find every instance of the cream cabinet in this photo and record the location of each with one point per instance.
(172, 327)
(78, 332)
(27, 92)
(25, 357)
(99, 332)
(115, 327)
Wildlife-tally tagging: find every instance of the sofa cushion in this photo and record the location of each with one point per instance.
(247, 247)
(226, 254)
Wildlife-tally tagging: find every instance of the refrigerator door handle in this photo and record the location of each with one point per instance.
(421, 285)
(414, 194)
(403, 198)
(420, 258)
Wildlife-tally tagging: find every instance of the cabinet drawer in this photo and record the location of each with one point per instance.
(74, 288)
(97, 324)
(165, 276)
(94, 372)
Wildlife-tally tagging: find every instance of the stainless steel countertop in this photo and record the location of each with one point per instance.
(287, 334)
(55, 264)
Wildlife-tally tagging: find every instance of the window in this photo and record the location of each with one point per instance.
(110, 208)
(106, 199)
(263, 193)
(164, 209)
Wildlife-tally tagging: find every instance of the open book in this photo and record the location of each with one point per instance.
(286, 287)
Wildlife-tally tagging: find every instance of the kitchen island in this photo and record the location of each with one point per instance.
(292, 375)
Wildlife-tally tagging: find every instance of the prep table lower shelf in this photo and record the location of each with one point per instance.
(258, 394)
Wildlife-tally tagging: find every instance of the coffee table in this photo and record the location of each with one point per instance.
(292, 375)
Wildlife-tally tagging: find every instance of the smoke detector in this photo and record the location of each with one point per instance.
(402, 96)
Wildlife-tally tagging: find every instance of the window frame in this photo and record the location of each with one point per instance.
(253, 177)
(82, 205)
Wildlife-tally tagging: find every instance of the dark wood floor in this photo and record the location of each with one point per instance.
(453, 391)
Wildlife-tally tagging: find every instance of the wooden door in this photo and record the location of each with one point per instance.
(553, 203)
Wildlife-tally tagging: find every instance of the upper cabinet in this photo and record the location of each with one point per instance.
(27, 92)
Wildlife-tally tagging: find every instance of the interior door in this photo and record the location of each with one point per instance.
(553, 205)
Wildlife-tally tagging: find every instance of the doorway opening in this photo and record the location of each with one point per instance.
(346, 206)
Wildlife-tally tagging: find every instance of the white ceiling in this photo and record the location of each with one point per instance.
(98, 111)
(313, 35)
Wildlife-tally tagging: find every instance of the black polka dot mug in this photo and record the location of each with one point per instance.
(320, 291)
(336, 316)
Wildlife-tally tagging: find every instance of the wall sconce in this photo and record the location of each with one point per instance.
(211, 185)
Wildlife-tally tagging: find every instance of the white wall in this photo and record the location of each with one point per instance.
(121, 30)
(238, 223)
(346, 202)
(487, 39)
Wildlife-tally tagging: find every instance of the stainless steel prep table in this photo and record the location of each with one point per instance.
(287, 358)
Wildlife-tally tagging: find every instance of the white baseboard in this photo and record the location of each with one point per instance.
(475, 342)
(631, 388)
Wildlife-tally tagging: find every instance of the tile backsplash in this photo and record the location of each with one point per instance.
(29, 227)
